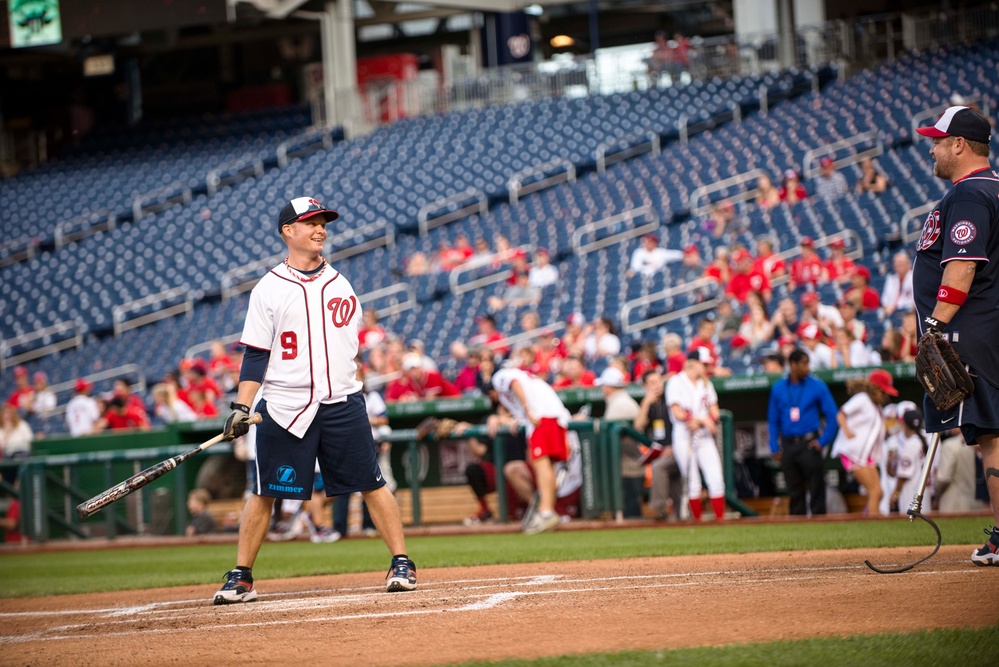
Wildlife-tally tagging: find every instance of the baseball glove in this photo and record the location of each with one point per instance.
(940, 371)
(442, 428)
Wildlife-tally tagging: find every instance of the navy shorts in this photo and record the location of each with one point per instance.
(976, 415)
(339, 437)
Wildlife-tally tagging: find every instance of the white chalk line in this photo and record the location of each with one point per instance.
(152, 611)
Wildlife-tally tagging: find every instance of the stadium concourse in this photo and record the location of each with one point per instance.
(389, 175)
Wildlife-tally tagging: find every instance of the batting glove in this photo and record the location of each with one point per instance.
(238, 422)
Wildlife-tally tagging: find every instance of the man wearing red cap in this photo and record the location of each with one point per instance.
(747, 279)
(767, 261)
(830, 184)
(82, 411)
(864, 297)
(21, 397)
(839, 267)
(955, 282)
(807, 269)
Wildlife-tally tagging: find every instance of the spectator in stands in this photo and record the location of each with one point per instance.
(839, 267)
(673, 355)
(573, 335)
(851, 352)
(23, 392)
(601, 340)
(870, 179)
(820, 355)
(574, 374)
(864, 297)
(705, 336)
(529, 321)
(121, 388)
(204, 408)
(891, 345)
(650, 258)
(43, 399)
(457, 255)
(418, 384)
(202, 521)
(548, 354)
(786, 318)
(767, 196)
(747, 279)
(860, 440)
(830, 184)
(757, 330)
(807, 269)
(910, 336)
(620, 406)
(721, 218)
(644, 359)
(666, 493)
(168, 408)
(767, 262)
(848, 315)
(792, 191)
(417, 348)
(198, 379)
(720, 269)
(120, 414)
(487, 335)
(484, 378)
(482, 248)
(82, 411)
(727, 321)
(542, 273)
(813, 311)
(468, 371)
(773, 364)
(417, 264)
(897, 291)
(371, 333)
(219, 360)
(690, 268)
(15, 440)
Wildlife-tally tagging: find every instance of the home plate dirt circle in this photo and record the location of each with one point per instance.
(496, 612)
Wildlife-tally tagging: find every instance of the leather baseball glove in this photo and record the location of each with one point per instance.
(442, 428)
(940, 371)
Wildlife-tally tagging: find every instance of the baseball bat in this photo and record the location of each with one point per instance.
(150, 474)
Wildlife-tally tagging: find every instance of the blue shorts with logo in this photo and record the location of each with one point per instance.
(339, 437)
(976, 415)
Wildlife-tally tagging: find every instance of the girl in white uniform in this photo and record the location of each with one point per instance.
(693, 406)
(910, 459)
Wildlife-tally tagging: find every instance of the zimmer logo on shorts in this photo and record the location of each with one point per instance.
(286, 475)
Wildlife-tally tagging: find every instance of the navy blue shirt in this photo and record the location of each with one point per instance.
(964, 225)
(796, 408)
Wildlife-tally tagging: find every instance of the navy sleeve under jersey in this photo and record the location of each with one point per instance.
(965, 226)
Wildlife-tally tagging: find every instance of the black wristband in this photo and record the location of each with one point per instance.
(239, 406)
(932, 323)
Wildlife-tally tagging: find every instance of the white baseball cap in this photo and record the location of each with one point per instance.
(611, 377)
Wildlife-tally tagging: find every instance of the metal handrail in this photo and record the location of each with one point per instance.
(398, 307)
(122, 324)
(198, 348)
(96, 221)
(19, 249)
(178, 188)
(61, 327)
(693, 286)
(515, 184)
(139, 386)
(649, 143)
(426, 223)
(474, 263)
(643, 211)
(245, 163)
(856, 251)
(808, 169)
(387, 239)
(916, 213)
(933, 112)
(738, 179)
(308, 138)
(233, 282)
(531, 334)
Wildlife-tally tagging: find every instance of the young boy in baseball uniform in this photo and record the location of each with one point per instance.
(301, 337)
(536, 405)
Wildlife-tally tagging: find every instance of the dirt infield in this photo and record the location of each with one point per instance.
(489, 613)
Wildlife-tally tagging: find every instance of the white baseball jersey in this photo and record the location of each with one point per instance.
(541, 398)
(695, 398)
(695, 453)
(81, 415)
(310, 329)
(864, 419)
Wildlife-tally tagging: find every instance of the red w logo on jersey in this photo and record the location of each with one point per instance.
(342, 310)
(931, 231)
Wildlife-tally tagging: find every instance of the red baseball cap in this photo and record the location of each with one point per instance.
(861, 270)
(82, 385)
(692, 249)
(740, 255)
(837, 243)
(809, 297)
(826, 161)
(807, 240)
(960, 121)
(882, 379)
(20, 371)
(809, 331)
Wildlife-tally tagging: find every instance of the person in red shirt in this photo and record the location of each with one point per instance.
(487, 335)
(204, 408)
(767, 262)
(548, 354)
(705, 336)
(747, 279)
(220, 361)
(673, 351)
(861, 294)
(371, 334)
(839, 267)
(23, 392)
(122, 415)
(719, 268)
(122, 389)
(807, 269)
(199, 380)
(418, 384)
(574, 374)
(11, 523)
(792, 191)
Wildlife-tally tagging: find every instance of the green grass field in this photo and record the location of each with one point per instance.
(27, 575)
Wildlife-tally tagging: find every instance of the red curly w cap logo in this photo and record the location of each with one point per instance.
(315, 203)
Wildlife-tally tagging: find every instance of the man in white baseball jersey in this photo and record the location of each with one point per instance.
(301, 339)
(536, 405)
(82, 412)
(693, 406)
